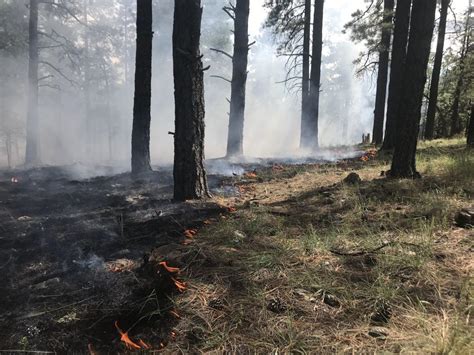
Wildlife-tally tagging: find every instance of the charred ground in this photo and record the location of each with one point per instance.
(283, 258)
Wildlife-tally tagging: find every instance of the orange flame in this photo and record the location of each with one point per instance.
(91, 349)
(231, 209)
(170, 269)
(181, 286)
(251, 175)
(190, 233)
(143, 344)
(124, 337)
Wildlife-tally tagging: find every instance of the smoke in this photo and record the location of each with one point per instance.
(272, 113)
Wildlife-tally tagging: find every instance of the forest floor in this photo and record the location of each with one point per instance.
(283, 259)
(309, 264)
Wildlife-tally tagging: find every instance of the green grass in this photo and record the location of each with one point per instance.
(423, 269)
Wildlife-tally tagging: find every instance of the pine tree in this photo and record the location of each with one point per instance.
(142, 100)
(190, 181)
(399, 53)
(434, 88)
(414, 79)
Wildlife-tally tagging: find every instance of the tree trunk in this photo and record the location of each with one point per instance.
(430, 117)
(470, 128)
(190, 181)
(455, 119)
(310, 139)
(382, 77)
(32, 155)
(90, 132)
(142, 100)
(239, 79)
(399, 53)
(414, 79)
(8, 147)
(305, 101)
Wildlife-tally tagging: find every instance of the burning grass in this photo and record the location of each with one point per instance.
(309, 264)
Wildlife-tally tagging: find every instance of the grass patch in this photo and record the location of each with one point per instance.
(313, 264)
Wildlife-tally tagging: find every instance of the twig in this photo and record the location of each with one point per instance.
(359, 253)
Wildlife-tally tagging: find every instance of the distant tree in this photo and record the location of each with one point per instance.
(399, 52)
(414, 79)
(310, 131)
(434, 87)
(190, 181)
(365, 27)
(142, 101)
(470, 129)
(466, 49)
(32, 156)
(382, 76)
(240, 15)
(305, 80)
(291, 23)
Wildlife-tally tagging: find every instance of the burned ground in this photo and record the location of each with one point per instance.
(300, 259)
(72, 257)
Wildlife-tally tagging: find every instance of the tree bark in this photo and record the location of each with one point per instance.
(90, 132)
(399, 53)
(470, 128)
(305, 100)
(239, 79)
(414, 79)
(190, 181)
(382, 76)
(32, 156)
(430, 116)
(142, 100)
(310, 131)
(455, 119)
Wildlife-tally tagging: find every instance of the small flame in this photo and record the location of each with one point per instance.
(207, 222)
(14, 180)
(124, 337)
(91, 349)
(251, 175)
(143, 344)
(190, 233)
(181, 286)
(231, 209)
(170, 269)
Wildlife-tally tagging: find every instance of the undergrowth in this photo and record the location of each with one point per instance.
(318, 266)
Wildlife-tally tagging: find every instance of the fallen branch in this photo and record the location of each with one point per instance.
(365, 252)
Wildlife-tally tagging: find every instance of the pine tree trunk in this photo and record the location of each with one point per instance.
(32, 156)
(190, 181)
(142, 100)
(470, 129)
(311, 139)
(399, 53)
(305, 101)
(455, 119)
(239, 79)
(90, 132)
(430, 117)
(382, 77)
(414, 79)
